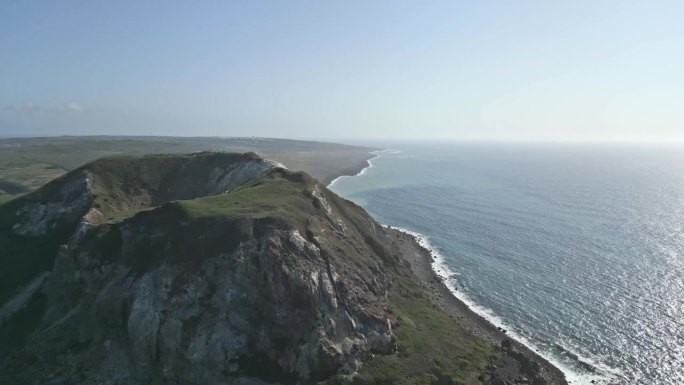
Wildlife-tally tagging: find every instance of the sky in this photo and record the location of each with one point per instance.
(416, 70)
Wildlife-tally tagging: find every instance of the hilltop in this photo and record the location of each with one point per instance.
(28, 163)
(216, 268)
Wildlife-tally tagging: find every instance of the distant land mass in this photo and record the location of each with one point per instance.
(29, 163)
(225, 268)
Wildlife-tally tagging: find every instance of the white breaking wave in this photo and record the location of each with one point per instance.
(609, 375)
(363, 170)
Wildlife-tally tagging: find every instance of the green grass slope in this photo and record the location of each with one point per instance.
(120, 186)
(27, 164)
(431, 347)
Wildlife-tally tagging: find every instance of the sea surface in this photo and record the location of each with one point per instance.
(577, 250)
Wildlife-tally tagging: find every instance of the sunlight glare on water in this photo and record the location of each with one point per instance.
(578, 250)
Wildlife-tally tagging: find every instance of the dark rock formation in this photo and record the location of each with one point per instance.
(150, 272)
(217, 268)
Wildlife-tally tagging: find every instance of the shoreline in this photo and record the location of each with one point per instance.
(515, 360)
(488, 325)
(428, 265)
(369, 164)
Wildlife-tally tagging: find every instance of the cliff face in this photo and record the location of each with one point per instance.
(216, 268)
(199, 269)
(34, 226)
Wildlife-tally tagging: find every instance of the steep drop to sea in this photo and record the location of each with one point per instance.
(215, 268)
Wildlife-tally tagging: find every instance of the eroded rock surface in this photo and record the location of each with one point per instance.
(277, 281)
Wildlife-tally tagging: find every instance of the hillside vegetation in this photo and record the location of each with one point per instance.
(28, 163)
(213, 269)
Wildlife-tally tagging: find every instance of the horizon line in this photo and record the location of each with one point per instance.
(626, 140)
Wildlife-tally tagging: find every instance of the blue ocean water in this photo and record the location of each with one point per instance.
(577, 250)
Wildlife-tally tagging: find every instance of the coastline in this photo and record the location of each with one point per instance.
(515, 361)
(443, 272)
(368, 163)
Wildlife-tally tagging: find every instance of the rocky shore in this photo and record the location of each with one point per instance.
(512, 363)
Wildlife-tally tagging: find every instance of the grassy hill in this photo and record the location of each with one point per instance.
(28, 163)
(314, 273)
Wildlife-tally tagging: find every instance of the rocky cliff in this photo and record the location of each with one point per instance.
(216, 268)
(203, 269)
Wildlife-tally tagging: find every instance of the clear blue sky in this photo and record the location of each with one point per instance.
(527, 70)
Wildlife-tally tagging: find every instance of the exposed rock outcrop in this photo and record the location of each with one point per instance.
(216, 268)
(278, 280)
(34, 226)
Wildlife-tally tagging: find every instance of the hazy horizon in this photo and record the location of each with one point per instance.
(457, 71)
(379, 142)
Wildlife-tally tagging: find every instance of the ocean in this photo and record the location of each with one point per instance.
(576, 250)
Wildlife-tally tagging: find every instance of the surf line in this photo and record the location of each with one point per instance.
(376, 155)
(600, 375)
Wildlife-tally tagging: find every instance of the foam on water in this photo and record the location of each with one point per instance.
(363, 170)
(576, 251)
(604, 375)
